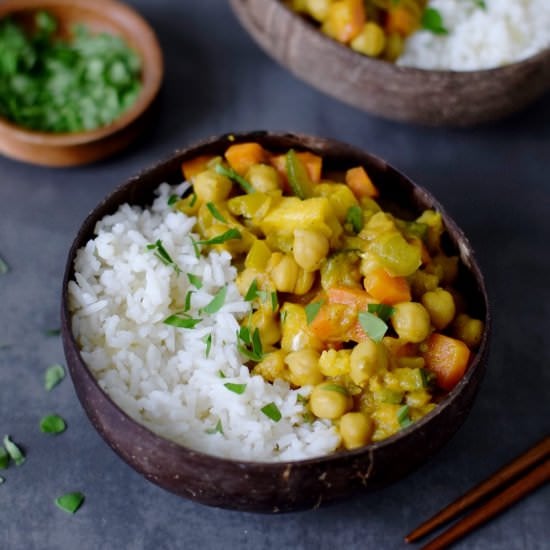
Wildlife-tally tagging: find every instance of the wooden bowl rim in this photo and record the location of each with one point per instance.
(152, 72)
(268, 466)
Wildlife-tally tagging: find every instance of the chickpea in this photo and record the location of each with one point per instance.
(441, 307)
(310, 248)
(284, 271)
(304, 367)
(370, 41)
(469, 330)
(263, 178)
(330, 400)
(211, 186)
(335, 363)
(318, 9)
(366, 359)
(272, 366)
(411, 321)
(356, 430)
(267, 325)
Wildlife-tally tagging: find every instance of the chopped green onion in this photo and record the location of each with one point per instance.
(403, 416)
(232, 175)
(4, 268)
(252, 291)
(354, 217)
(52, 424)
(373, 326)
(217, 302)
(312, 310)
(194, 280)
(298, 176)
(162, 255)
(70, 502)
(208, 341)
(16, 454)
(215, 212)
(230, 234)
(383, 311)
(53, 376)
(172, 199)
(335, 387)
(235, 388)
(433, 22)
(217, 429)
(181, 322)
(4, 458)
(272, 411)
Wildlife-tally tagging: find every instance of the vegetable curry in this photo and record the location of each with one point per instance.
(347, 299)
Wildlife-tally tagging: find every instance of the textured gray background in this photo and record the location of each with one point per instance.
(495, 182)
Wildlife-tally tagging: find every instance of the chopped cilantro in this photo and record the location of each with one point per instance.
(70, 502)
(235, 388)
(178, 321)
(195, 281)
(162, 255)
(272, 411)
(217, 301)
(383, 311)
(373, 326)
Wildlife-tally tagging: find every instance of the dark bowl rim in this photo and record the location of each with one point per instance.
(92, 218)
(381, 64)
(153, 71)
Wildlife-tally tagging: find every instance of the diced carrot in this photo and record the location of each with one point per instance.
(385, 288)
(348, 296)
(447, 358)
(194, 166)
(242, 156)
(360, 183)
(402, 21)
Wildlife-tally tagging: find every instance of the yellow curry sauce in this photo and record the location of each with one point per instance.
(346, 297)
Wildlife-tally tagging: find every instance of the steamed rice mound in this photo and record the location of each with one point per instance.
(169, 379)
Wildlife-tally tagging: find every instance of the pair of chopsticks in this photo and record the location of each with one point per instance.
(516, 480)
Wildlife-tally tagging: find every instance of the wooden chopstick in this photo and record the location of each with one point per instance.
(534, 479)
(520, 465)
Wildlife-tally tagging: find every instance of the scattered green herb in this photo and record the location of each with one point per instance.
(232, 175)
(217, 302)
(298, 176)
(70, 502)
(194, 280)
(312, 310)
(403, 416)
(208, 341)
(252, 347)
(252, 291)
(196, 248)
(221, 374)
(235, 388)
(53, 376)
(354, 217)
(274, 301)
(52, 332)
(428, 378)
(16, 454)
(4, 268)
(229, 235)
(215, 212)
(54, 85)
(187, 305)
(53, 424)
(172, 199)
(335, 387)
(301, 399)
(373, 326)
(272, 411)
(217, 429)
(178, 321)
(162, 255)
(383, 311)
(433, 22)
(4, 458)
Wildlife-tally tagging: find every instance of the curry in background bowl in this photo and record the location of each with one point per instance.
(359, 301)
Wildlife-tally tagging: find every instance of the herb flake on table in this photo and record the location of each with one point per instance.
(52, 332)
(53, 376)
(4, 268)
(4, 458)
(70, 502)
(16, 454)
(53, 424)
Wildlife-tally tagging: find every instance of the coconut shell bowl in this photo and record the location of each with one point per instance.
(426, 97)
(279, 486)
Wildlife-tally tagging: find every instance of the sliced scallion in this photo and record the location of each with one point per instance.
(4, 458)
(335, 387)
(208, 342)
(252, 291)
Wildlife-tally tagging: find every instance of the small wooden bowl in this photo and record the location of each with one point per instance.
(70, 149)
(282, 486)
(436, 98)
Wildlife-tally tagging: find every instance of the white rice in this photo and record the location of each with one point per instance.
(160, 374)
(505, 32)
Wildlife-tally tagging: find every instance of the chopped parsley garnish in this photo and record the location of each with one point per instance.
(4, 268)
(195, 280)
(70, 502)
(272, 411)
(235, 388)
(335, 387)
(403, 416)
(4, 458)
(433, 22)
(312, 310)
(215, 212)
(230, 234)
(217, 302)
(208, 341)
(217, 429)
(232, 175)
(172, 199)
(383, 311)
(52, 424)
(162, 255)
(354, 217)
(252, 291)
(53, 376)
(372, 325)
(179, 321)
(16, 454)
